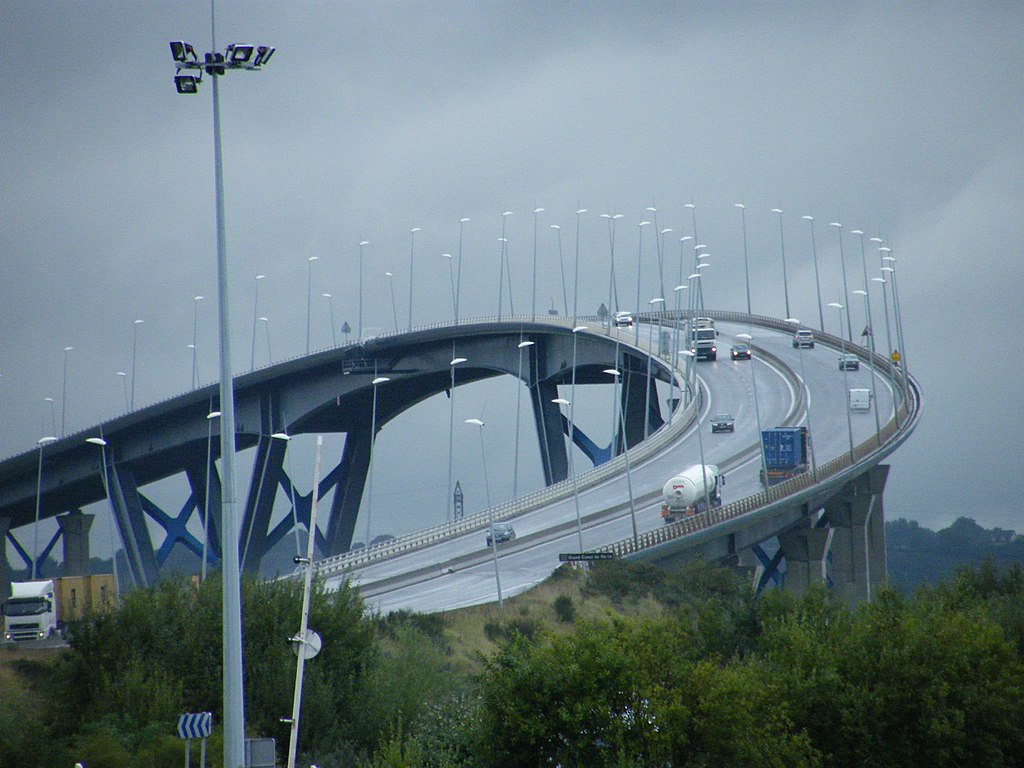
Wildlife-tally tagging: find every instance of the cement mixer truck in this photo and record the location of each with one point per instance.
(684, 495)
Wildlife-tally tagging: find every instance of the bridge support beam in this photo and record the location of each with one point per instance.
(131, 523)
(634, 395)
(858, 545)
(805, 550)
(74, 530)
(259, 506)
(198, 480)
(548, 418)
(348, 493)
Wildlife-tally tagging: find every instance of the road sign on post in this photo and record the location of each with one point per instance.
(195, 726)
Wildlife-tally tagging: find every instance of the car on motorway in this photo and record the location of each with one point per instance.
(723, 422)
(848, 362)
(500, 533)
(384, 538)
(740, 352)
(803, 339)
(622, 319)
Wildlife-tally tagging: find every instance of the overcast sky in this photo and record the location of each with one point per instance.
(903, 120)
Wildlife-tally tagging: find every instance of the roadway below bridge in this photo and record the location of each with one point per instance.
(794, 387)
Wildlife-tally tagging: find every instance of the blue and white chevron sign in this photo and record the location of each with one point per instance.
(195, 726)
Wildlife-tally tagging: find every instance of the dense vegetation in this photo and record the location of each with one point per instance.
(619, 666)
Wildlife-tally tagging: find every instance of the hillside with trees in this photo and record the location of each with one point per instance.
(620, 665)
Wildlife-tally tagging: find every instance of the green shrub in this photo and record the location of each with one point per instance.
(565, 609)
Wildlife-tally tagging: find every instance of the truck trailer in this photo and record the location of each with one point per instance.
(689, 492)
(785, 454)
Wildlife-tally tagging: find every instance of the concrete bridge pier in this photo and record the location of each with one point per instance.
(805, 549)
(857, 519)
(74, 531)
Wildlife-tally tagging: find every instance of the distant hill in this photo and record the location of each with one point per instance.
(916, 554)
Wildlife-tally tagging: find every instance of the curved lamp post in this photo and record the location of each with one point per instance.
(700, 442)
(64, 391)
(206, 506)
(451, 430)
(846, 294)
(572, 471)
(195, 324)
(621, 426)
(266, 327)
(746, 262)
(803, 380)
(782, 245)
(561, 267)
(255, 317)
(871, 360)
(817, 279)
(533, 301)
(490, 510)
(106, 492)
(519, 391)
(309, 295)
(135, 335)
(458, 272)
(846, 377)
(41, 442)
(757, 409)
(373, 441)
(639, 270)
(394, 307)
(412, 253)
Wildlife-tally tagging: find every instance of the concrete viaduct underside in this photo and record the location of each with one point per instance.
(323, 393)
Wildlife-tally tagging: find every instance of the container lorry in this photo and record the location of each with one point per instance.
(43, 607)
(685, 494)
(785, 454)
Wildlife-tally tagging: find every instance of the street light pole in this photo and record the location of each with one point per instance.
(135, 334)
(639, 270)
(746, 262)
(394, 307)
(106, 492)
(330, 307)
(576, 270)
(846, 377)
(64, 391)
(215, 65)
(255, 316)
(871, 361)
(501, 266)
(621, 426)
(359, 323)
(451, 430)
(782, 243)
(195, 323)
(817, 279)
(490, 510)
(757, 409)
(650, 356)
(533, 304)
(519, 391)
(266, 327)
(373, 441)
(412, 253)
(458, 272)
(309, 296)
(700, 440)
(807, 390)
(572, 471)
(39, 490)
(561, 267)
(206, 506)
(846, 294)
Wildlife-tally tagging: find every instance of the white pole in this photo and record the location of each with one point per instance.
(300, 638)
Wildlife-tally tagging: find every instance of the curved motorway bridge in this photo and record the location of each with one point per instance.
(823, 527)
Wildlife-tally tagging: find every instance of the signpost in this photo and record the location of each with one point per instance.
(195, 726)
(584, 557)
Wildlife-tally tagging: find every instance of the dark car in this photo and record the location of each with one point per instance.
(500, 533)
(740, 352)
(723, 422)
(848, 362)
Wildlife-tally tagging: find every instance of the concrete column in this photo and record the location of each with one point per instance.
(74, 531)
(547, 416)
(805, 550)
(5, 567)
(858, 547)
(848, 517)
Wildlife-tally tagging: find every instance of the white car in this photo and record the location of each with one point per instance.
(623, 319)
(803, 338)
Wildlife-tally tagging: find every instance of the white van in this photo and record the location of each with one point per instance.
(860, 399)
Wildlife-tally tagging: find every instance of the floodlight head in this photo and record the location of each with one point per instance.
(475, 422)
(183, 52)
(239, 54)
(524, 344)
(380, 380)
(96, 441)
(457, 360)
(807, 218)
(186, 83)
(263, 54)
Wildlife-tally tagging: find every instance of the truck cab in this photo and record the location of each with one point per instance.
(703, 344)
(30, 613)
